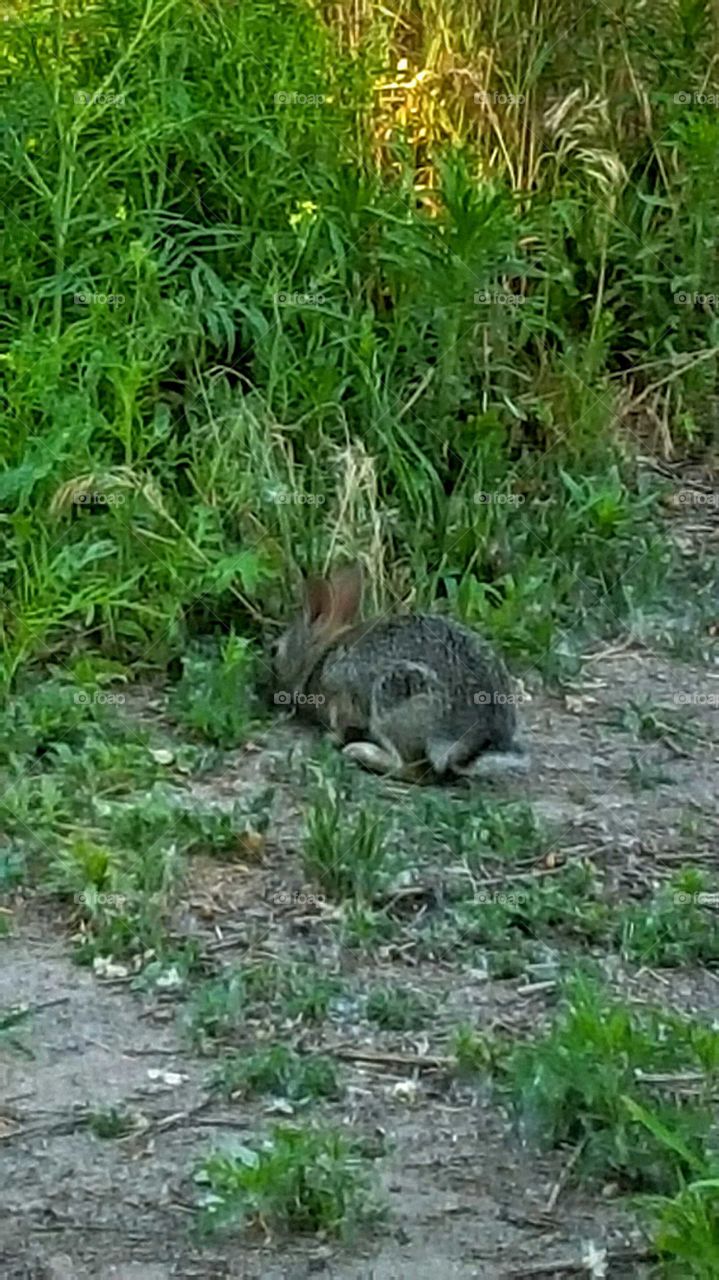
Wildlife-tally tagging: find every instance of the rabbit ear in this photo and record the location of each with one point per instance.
(317, 599)
(334, 602)
(346, 594)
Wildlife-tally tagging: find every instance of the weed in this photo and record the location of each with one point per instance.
(476, 830)
(215, 696)
(33, 809)
(509, 928)
(45, 715)
(82, 867)
(677, 926)
(121, 898)
(87, 809)
(687, 1229)
(104, 766)
(398, 1009)
(138, 935)
(474, 1052)
(221, 1006)
(169, 966)
(588, 1081)
(651, 723)
(365, 928)
(217, 1008)
(292, 990)
(687, 1225)
(163, 817)
(110, 1123)
(301, 1180)
(346, 854)
(148, 509)
(281, 1071)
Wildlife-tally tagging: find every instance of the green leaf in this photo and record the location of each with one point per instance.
(663, 1135)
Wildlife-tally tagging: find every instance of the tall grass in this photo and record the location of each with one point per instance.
(304, 216)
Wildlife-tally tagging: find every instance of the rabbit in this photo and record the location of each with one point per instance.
(401, 694)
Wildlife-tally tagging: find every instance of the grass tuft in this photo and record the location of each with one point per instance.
(280, 1071)
(600, 1078)
(300, 1180)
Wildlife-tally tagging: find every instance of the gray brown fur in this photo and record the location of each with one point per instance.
(401, 691)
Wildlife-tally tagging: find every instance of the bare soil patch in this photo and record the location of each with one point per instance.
(467, 1199)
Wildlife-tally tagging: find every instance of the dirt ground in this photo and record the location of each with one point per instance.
(467, 1198)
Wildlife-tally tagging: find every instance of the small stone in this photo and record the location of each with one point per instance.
(170, 1078)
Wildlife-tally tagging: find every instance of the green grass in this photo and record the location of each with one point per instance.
(648, 722)
(164, 815)
(474, 1052)
(299, 1180)
(677, 926)
(281, 991)
(215, 697)
(509, 929)
(364, 928)
(217, 1009)
(110, 1123)
(295, 360)
(295, 990)
(399, 1009)
(533, 919)
(686, 1233)
(96, 809)
(477, 830)
(347, 854)
(280, 1071)
(601, 1078)
(630, 1093)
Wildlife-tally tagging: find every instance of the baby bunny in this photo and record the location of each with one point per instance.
(402, 693)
